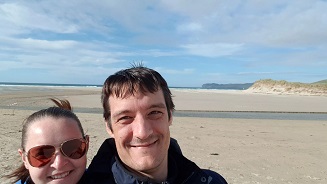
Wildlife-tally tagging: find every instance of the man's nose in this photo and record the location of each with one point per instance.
(142, 128)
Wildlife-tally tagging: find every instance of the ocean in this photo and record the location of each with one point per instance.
(47, 84)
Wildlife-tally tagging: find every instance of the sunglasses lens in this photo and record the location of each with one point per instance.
(74, 149)
(40, 155)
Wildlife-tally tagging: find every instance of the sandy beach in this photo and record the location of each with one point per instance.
(242, 150)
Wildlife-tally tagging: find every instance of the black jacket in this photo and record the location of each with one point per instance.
(106, 167)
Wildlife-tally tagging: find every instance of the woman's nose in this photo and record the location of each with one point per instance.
(59, 160)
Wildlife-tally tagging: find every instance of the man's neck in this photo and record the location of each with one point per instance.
(156, 175)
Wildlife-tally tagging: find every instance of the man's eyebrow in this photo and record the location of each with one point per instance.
(159, 105)
(120, 112)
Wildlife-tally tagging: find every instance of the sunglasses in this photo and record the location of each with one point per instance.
(41, 155)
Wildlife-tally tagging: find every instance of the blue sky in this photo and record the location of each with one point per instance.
(189, 42)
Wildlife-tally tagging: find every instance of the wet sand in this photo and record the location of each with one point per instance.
(242, 150)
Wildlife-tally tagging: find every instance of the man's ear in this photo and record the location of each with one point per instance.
(109, 130)
(171, 118)
(22, 155)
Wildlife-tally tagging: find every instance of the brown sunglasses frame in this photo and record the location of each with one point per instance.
(84, 139)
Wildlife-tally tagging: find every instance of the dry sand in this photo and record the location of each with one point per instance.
(242, 150)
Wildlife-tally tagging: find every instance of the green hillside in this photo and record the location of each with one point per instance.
(285, 87)
(321, 82)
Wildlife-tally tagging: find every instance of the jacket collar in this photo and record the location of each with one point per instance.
(106, 165)
(122, 175)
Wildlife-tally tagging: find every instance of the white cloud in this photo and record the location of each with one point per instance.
(212, 50)
(266, 22)
(180, 72)
(25, 19)
(192, 9)
(253, 34)
(189, 28)
(172, 71)
(31, 44)
(298, 25)
(270, 23)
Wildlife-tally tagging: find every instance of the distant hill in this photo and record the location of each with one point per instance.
(320, 82)
(270, 86)
(226, 86)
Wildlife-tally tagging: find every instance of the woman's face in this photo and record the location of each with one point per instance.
(61, 169)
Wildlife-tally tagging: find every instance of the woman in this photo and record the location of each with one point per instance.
(53, 147)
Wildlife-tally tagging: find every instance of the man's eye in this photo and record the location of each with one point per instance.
(155, 114)
(124, 119)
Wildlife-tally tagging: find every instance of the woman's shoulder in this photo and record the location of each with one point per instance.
(20, 182)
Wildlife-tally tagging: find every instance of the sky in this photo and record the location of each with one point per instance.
(189, 42)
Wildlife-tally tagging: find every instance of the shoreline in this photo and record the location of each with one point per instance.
(94, 110)
(185, 100)
(99, 110)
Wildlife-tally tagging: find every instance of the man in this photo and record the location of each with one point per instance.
(138, 109)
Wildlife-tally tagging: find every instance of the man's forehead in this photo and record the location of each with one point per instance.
(146, 99)
(143, 101)
(135, 93)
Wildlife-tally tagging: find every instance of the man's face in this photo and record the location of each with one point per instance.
(140, 126)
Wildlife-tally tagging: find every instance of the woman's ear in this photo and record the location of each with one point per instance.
(87, 142)
(22, 155)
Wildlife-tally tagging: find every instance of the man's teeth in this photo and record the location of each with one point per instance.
(60, 175)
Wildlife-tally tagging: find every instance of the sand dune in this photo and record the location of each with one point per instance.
(269, 86)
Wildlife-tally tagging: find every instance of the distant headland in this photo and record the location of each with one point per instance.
(269, 86)
(227, 86)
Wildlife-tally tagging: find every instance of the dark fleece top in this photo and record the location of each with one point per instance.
(106, 167)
